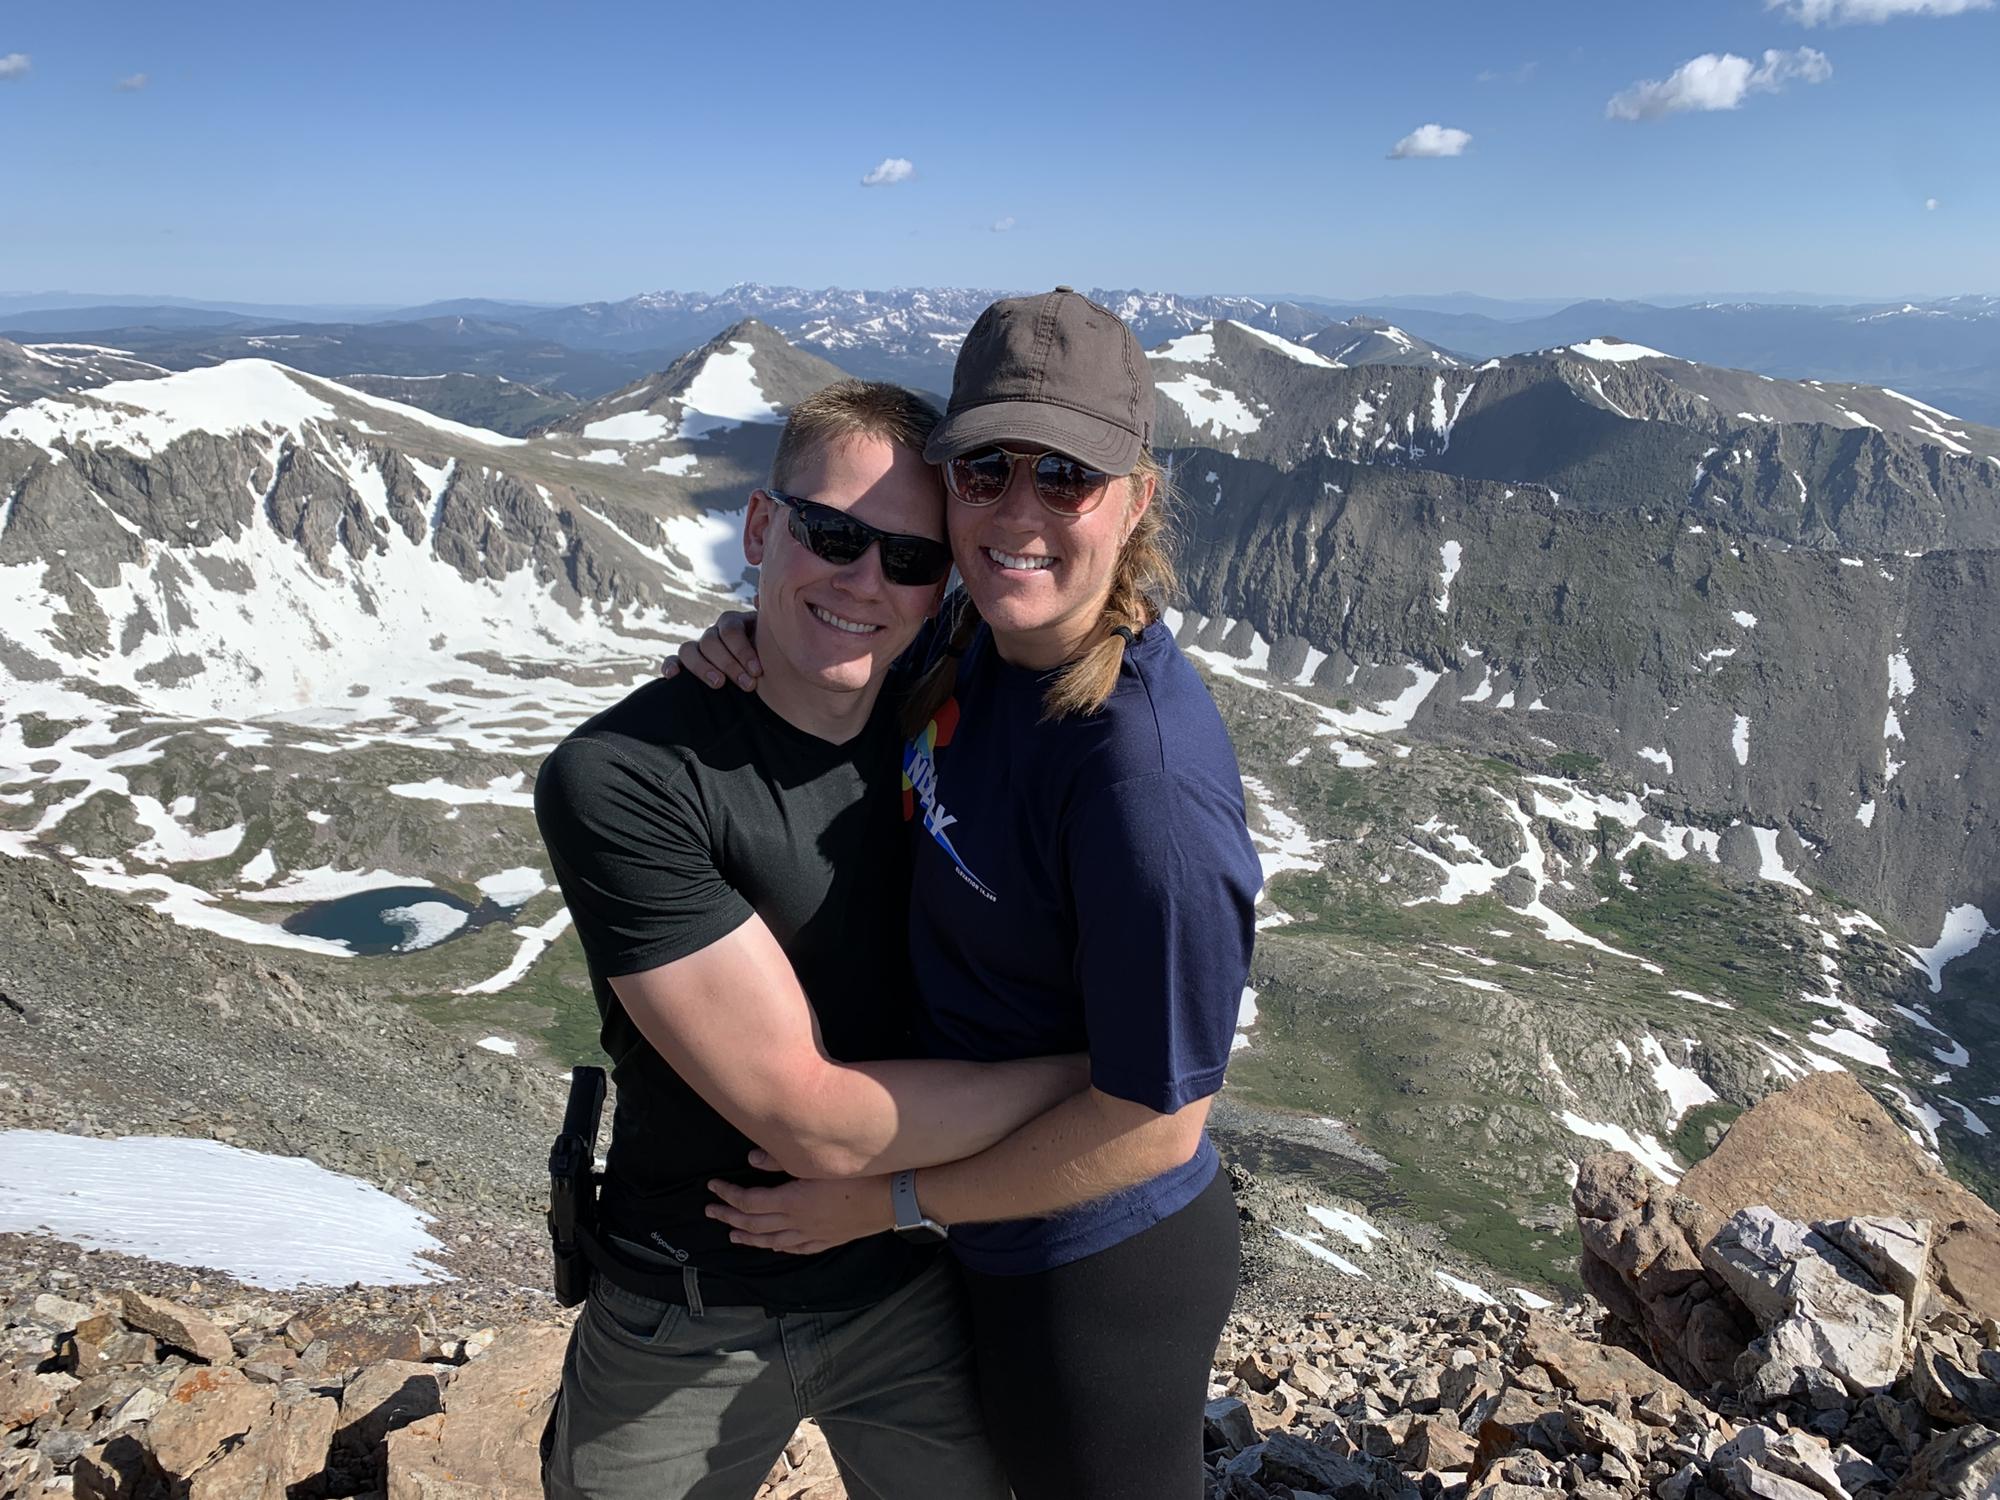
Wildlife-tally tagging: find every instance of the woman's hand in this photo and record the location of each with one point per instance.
(726, 649)
(802, 1218)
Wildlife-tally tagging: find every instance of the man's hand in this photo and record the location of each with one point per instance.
(726, 649)
(801, 1218)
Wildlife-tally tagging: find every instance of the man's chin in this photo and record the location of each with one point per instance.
(847, 675)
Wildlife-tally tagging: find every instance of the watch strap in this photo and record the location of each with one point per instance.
(903, 1194)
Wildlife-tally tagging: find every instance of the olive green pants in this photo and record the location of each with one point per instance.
(660, 1403)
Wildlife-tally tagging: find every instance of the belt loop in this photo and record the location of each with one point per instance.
(691, 1284)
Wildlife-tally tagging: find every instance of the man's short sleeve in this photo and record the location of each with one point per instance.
(633, 855)
(1165, 883)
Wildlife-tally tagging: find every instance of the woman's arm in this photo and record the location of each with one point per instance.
(1087, 1147)
(726, 649)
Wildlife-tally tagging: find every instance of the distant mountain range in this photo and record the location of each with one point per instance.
(1945, 352)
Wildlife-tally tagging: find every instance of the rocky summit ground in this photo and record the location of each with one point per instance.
(1810, 1314)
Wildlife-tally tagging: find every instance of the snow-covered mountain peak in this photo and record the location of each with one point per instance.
(144, 417)
(1615, 351)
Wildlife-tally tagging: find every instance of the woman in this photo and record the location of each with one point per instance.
(1084, 880)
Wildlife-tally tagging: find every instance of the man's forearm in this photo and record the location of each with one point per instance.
(867, 1118)
(1086, 1147)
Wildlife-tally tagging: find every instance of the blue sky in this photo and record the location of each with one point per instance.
(395, 153)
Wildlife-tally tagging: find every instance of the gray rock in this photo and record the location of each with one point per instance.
(1748, 1481)
(1796, 1456)
(1818, 1308)
(1963, 1464)
(1226, 1424)
(1896, 1252)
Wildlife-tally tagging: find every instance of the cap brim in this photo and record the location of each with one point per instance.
(1114, 450)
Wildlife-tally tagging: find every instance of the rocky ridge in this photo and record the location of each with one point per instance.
(1362, 340)
(30, 371)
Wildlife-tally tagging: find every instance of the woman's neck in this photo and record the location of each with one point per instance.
(1047, 647)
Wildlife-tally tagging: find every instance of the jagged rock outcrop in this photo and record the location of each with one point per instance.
(1855, 1336)
(1640, 1260)
(1823, 1149)
(483, 1445)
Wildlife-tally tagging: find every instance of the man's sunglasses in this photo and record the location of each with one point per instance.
(1063, 485)
(836, 537)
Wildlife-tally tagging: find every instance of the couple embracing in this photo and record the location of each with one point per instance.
(919, 965)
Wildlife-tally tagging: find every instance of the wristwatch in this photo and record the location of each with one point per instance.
(910, 1221)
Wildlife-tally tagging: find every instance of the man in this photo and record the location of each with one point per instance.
(728, 859)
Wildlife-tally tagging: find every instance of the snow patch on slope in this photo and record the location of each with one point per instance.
(271, 1221)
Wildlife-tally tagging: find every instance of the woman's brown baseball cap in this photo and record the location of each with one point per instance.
(1056, 369)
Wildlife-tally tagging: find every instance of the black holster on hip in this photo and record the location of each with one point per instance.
(573, 1179)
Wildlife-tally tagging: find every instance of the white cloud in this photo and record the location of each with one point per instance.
(1717, 82)
(894, 169)
(1866, 12)
(133, 84)
(1003, 224)
(1930, 205)
(1431, 140)
(13, 65)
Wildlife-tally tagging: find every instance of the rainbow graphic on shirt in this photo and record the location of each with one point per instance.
(920, 785)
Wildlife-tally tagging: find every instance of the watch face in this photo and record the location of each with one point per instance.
(923, 1232)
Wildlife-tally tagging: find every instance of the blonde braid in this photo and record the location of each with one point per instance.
(1143, 581)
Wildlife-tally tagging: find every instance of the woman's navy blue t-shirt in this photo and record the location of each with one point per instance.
(1083, 884)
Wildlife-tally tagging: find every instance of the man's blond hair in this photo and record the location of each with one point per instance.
(850, 409)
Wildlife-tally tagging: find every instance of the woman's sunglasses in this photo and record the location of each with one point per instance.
(836, 537)
(1063, 485)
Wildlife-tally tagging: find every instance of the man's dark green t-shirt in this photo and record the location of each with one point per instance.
(671, 818)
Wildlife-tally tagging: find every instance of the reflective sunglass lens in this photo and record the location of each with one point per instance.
(981, 478)
(1066, 484)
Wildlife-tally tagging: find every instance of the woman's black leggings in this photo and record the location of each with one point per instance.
(1093, 1376)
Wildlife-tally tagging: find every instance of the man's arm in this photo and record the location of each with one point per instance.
(732, 1021)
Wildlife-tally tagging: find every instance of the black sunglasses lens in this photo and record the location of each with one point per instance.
(827, 534)
(914, 560)
(836, 537)
(980, 478)
(1065, 484)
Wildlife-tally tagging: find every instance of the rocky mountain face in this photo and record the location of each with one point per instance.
(1946, 351)
(747, 373)
(1316, 533)
(269, 644)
